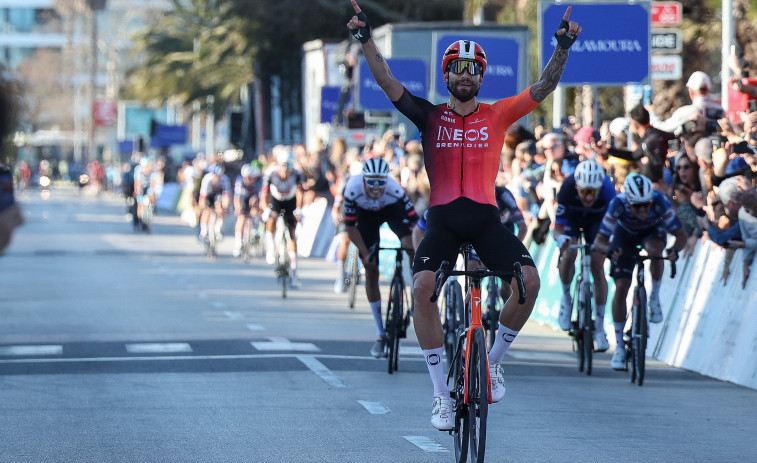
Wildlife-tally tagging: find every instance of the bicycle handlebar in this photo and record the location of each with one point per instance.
(373, 252)
(443, 273)
(641, 258)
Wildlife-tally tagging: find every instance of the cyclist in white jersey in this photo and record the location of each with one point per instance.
(282, 190)
(215, 186)
(371, 199)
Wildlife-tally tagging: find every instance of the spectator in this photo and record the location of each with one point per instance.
(650, 154)
(586, 142)
(748, 226)
(725, 231)
(10, 212)
(699, 116)
(687, 199)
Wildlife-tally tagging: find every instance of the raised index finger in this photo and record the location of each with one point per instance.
(357, 8)
(564, 18)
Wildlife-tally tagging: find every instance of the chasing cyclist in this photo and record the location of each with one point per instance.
(246, 195)
(215, 190)
(581, 205)
(371, 199)
(462, 142)
(282, 190)
(643, 216)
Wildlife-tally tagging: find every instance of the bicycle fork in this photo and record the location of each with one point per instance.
(475, 325)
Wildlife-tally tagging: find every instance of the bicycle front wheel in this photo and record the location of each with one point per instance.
(394, 326)
(478, 394)
(354, 273)
(492, 314)
(461, 432)
(586, 328)
(639, 335)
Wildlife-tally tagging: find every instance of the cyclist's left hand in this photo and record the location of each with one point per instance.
(671, 254)
(297, 214)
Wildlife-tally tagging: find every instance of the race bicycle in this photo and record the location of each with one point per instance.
(283, 264)
(582, 328)
(214, 234)
(352, 274)
(252, 244)
(397, 319)
(636, 337)
(469, 371)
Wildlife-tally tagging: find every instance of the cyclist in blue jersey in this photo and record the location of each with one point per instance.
(246, 195)
(638, 216)
(581, 204)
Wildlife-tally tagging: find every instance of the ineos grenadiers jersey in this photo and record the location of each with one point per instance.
(209, 187)
(355, 199)
(462, 153)
(619, 214)
(570, 210)
(282, 189)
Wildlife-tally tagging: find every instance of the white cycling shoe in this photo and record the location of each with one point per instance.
(618, 361)
(443, 413)
(601, 339)
(498, 382)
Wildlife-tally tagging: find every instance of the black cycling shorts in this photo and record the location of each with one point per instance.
(369, 223)
(288, 205)
(573, 229)
(212, 198)
(623, 268)
(450, 225)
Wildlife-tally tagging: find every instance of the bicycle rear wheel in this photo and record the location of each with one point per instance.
(394, 326)
(639, 335)
(586, 328)
(354, 276)
(478, 393)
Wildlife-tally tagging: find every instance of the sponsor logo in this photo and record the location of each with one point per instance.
(477, 301)
(433, 359)
(447, 137)
(446, 118)
(425, 259)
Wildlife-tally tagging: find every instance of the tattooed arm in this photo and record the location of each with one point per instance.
(551, 75)
(381, 72)
(566, 35)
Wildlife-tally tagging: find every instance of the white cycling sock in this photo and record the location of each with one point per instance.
(505, 337)
(376, 311)
(619, 326)
(203, 229)
(436, 370)
(655, 289)
(293, 259)
(269, 241)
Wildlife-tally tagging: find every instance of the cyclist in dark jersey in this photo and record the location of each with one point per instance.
(643, 216)
(462, 142)
(581, 204)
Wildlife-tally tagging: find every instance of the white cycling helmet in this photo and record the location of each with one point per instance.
(375, 167)
(638, 189)
(250, 171)
(589, 174)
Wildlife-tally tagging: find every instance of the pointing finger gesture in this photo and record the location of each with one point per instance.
(568, 31)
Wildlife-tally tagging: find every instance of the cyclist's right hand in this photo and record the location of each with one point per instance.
(562, 241)
(358, 25)
(615, 254)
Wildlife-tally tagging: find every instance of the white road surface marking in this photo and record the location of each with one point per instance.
(31, 350)
(277, 343)
(322, 371)
(426, 444)
(374, 408)
(158, 348)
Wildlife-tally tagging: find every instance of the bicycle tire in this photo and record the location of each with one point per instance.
(640, 336)
(246, 241)
(394, 325)
(460, 433)
(576, 331)
(586, 328)
(478, 393)
(354, 272)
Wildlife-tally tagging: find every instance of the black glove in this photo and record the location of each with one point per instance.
(362, 34)
(567, 39)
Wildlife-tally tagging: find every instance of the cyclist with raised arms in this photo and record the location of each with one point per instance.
(282, 190)
(246, 196)
(371, 199)
(638, 216)
(581, 205)
(462, 142)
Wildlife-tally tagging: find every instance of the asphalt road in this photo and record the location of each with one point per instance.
(128, 347)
